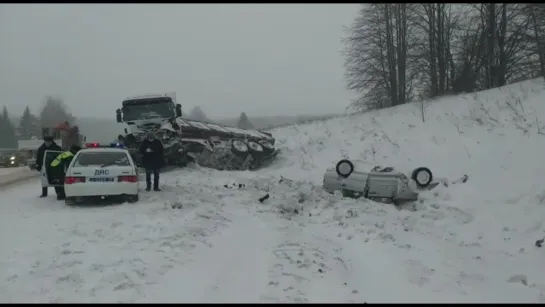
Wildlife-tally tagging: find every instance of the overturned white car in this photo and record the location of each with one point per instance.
(378, 183)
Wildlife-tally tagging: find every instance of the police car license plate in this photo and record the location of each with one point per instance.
(101, 179)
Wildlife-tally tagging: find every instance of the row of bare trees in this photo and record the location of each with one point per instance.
(396, 52)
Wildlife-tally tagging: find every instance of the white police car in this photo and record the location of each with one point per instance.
(101, 172)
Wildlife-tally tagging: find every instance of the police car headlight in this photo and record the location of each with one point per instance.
(12, 158)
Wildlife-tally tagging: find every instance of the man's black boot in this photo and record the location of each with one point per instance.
(44, 193)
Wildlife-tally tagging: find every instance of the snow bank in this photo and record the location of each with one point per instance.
(490, 223)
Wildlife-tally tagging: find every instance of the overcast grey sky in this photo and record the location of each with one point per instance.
(263, 59)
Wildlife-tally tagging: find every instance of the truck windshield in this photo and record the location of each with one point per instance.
(147, 111)
(102, 158)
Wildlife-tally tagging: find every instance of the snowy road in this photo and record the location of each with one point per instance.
(15, 174)
(224, 246)
(11, 170)
(218, 243)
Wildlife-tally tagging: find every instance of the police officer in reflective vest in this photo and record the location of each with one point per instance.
(60, 165)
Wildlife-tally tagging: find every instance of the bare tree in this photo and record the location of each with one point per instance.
(395, 52)
(376, 56)
(535, 12)
(436, 24)
(508, 56)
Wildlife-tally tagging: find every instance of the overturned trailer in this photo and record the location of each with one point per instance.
(211, 145)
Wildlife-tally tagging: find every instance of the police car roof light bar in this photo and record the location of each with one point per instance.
(92, 145)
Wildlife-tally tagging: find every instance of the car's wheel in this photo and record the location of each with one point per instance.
(344, 168)
(132, 198)
(422, 176)
(239, 148)
(70, 201)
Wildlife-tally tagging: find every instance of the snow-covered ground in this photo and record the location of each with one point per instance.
(11, 170)
(468, 242)
(16, 174)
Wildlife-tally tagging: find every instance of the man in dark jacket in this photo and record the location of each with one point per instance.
(59, 166)
(152, 160)
(48, 144)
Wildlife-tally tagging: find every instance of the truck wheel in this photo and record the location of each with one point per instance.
(268, 148)
(239, 148)
(344, 168)
(422, 176)
(255, 147)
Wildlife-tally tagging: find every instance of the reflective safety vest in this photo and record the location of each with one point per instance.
(61, 157)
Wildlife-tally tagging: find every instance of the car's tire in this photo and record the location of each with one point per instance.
(344, 168)
(239, 148)
(70, 201)
(422, 176)
(132, 198)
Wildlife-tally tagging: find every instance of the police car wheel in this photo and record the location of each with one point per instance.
(132, 198)
(344, 168)
(422, 176)
(70, 201)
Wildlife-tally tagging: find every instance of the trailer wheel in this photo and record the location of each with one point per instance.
(268, 148)
(239, 148)
(422, 176)
(255, 148)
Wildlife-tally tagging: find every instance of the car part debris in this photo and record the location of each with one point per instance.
(380, 183)
(539, 243)
(240, 185)
(262, 199)
(286, 181)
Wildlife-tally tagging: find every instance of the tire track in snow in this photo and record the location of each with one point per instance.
(232, 269)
